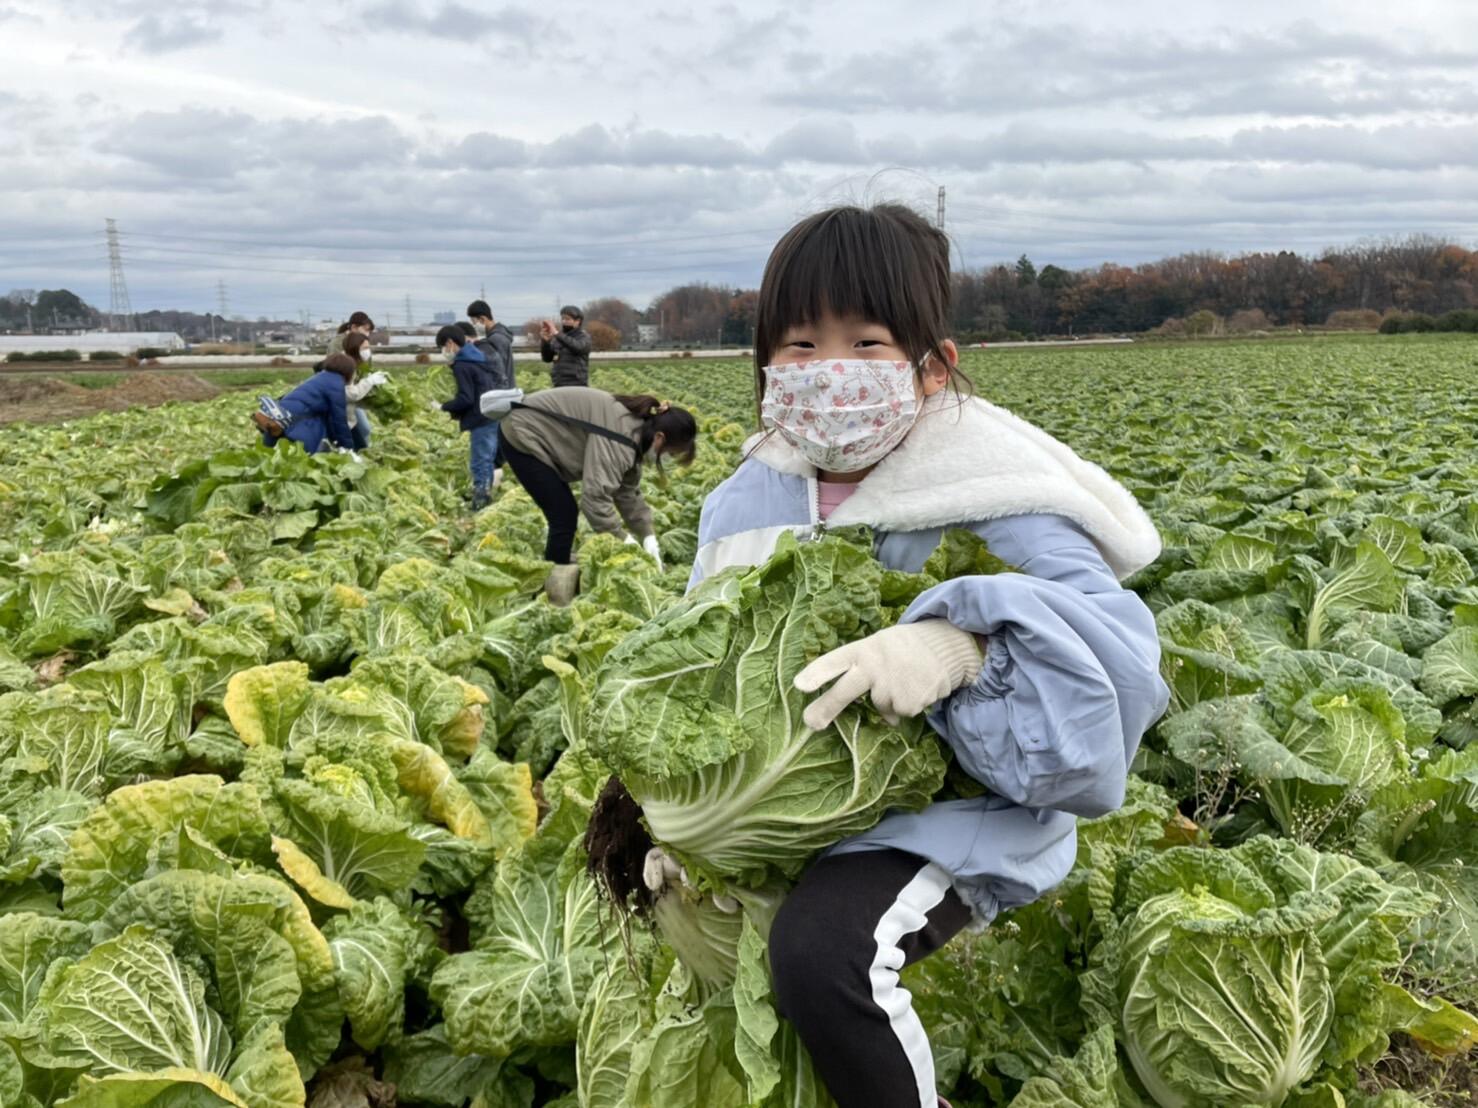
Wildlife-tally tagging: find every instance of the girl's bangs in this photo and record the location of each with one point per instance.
(838, 266)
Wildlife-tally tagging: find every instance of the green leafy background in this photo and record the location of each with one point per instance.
(295, 764)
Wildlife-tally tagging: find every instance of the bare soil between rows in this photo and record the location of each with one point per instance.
(33, 399)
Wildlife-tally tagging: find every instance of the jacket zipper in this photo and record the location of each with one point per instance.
(818, 525)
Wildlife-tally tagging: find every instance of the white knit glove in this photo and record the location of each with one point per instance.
(649, 544)
(906, 668)
(660, 872)
(659, 869)
(375, 378)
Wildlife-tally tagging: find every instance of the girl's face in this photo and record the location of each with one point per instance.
(841, 338)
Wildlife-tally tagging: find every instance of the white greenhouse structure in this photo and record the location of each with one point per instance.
(123, 342)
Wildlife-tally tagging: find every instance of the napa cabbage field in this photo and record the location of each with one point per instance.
(302, 780)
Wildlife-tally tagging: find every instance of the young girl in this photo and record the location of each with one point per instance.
(1041, 681)
(357, 346)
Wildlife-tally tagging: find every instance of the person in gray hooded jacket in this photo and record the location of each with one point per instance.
(1041, 681)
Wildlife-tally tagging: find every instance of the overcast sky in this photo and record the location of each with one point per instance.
(345, 154)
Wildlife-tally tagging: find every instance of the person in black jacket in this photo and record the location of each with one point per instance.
(568, 348)
(470, 370)
(495, 340)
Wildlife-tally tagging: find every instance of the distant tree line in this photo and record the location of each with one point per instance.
(63, 310)
(1411, 284)
(1354, 288)
(49, 309)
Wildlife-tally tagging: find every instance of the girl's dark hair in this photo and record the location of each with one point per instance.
(342, 328)
(466, 328)
(678, 427)
(343, 365)
(353, 342)
(885, 264)
(361, 319)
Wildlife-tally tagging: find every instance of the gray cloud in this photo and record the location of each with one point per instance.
(1016, 67)
(160, 34)
(449, 20)
(196, 144)
(1412, 147)
(833, 142)
(664, 146)
(185, 25)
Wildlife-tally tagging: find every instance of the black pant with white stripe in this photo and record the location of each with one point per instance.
(846, 929)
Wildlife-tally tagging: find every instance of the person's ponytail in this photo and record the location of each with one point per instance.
(643, 407)
(678, 428)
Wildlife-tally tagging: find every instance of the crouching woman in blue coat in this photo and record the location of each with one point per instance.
(1041, 681)
(316, 411)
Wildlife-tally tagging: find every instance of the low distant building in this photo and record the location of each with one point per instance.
(423, 339)
(444, 317)
(122, 342)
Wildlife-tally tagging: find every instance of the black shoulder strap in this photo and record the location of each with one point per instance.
(593, 428)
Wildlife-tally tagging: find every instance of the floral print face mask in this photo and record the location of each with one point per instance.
(841, 415)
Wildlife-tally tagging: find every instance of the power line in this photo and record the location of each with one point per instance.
(553, 267)
(703, 259)
(541, 243)
(577, 254)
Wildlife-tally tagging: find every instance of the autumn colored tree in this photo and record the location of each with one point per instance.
(692, 313)
(614, 312)
(603, 336)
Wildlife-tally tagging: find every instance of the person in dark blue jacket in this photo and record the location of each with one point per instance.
(318, 409)
(472, 373)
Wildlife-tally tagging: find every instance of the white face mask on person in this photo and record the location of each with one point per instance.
(842, 415)
(482, 332)
(364, 354)
(449, 354)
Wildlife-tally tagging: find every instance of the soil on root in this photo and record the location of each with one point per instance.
(27, 399)
(616, 845)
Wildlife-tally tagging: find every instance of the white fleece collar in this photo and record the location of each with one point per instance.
(967, 460)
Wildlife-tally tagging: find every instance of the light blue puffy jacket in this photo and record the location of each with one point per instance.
(1071, 679)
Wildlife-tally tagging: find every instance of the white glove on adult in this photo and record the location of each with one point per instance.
(375, 378)
(649, 544)
(906, 668)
